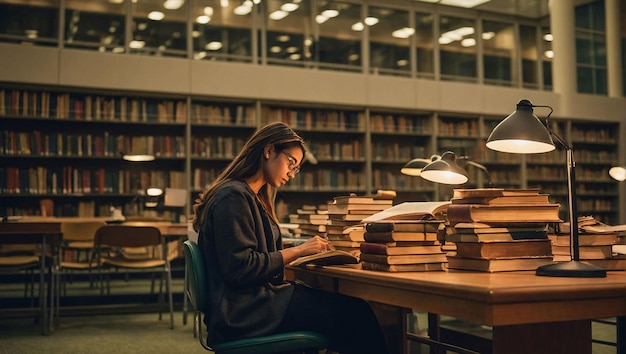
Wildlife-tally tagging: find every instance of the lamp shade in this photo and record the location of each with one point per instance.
(138, 157)
(415, 166)
(618, 173)
(521, 133)
(445, 170)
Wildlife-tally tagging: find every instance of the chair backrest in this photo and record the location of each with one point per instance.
(196, 277)
(128, 236)
(80, 230)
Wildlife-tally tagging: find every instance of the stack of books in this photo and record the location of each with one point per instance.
(345, 214)
(497, 229)
(311, 220)
(598, 243)
(404, 238)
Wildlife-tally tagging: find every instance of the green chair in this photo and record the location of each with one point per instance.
(197, 291)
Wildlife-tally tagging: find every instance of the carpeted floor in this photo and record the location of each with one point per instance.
(118, 333)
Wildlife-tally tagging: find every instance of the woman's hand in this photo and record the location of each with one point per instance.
(313, 245)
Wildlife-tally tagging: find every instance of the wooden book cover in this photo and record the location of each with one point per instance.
(345, 243)
(492, 192)
(393, 236)
(585, 239)
(387, 249)
(419, 267)
(387, 226)
(498, 236)
(371, 208)
(403, 258)
(497, 265)
(503, 213)
(506, 199)
(355, 199)
(507, 249)
(586, 252)
(332, 257)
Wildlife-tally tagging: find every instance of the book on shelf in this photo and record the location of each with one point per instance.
(503, 213)
(411, 211)
(418, 267)
(497, 236)
(332, 257)
(393, 236)
(404, 258)
(504, 249)
(493, 192)
(404, 226)
(585, 252)
(427, 247)
(497, 265)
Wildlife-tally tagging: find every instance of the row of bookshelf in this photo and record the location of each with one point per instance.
(103, 144)
(321, 119)
(75, 180)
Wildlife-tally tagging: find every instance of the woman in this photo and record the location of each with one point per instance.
(241, 241)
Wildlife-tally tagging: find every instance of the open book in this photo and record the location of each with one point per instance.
(411, 211)
(332, 257)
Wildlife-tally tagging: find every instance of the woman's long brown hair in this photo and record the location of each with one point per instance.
(247, 163)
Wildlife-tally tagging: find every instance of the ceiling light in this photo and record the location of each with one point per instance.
(292, 49)
(213, 45)
(208, 11)
(549, 54)
(548, 37)
(488, 35)
(295, 56)
(370, 21)
(289, 7)
(468, 42)
(242, 10)
(136, 44)
(278, 15)
(199, 55)
(156, 15)
(463, 3)
(173, 4)
(445, 40)
(224, 3)
(275, 49)
(357, 27)
(402, 62)
(321, 19)
(330, 13)
(405, 32)
(203, 19)
(283, 38)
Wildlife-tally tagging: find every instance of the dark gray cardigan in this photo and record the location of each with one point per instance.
(240, 243)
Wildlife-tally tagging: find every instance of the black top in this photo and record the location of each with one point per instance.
(240, 243)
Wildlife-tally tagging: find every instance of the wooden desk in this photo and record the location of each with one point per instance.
(44, 234)
(528, 313)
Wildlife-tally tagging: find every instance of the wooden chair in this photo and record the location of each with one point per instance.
(110, 242)
(77, 249)
(198, 292)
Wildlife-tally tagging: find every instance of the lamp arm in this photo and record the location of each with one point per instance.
(483, 168)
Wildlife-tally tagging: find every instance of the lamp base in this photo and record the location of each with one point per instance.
(571, 269)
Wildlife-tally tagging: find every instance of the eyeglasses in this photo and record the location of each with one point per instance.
(293, 163)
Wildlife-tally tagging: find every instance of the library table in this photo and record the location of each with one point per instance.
(44, 235)
(528, 313)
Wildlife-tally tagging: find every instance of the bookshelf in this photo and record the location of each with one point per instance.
(65, 144)
(68, 146)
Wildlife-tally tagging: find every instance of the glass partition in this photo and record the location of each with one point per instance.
(289, 33)
(222, 30)
(389, 35)
(340, 30)
(546, 57)
(34, 22)
(94, 24)
(529, 54)
(457, 41)
(159, 28)
(424, 44)
(498, 40)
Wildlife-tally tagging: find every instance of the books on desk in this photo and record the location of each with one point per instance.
(498, 230)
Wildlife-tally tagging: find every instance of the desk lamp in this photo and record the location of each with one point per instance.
(618, 173)
(523, 133)
(415, 166)
(444, 170)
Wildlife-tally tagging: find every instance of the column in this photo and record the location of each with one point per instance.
(613, 48)
(562, 26)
